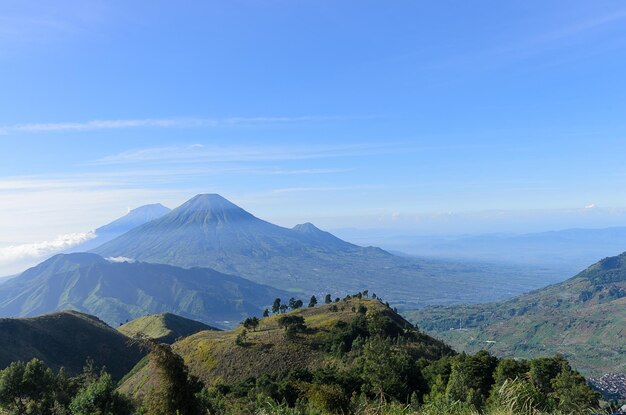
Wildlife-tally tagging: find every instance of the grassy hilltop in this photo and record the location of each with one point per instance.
(225, 357)
(165, 327)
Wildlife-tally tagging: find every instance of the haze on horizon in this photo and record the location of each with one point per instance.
(433, 123)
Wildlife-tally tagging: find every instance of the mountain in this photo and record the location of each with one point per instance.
(132, 219)
(4, 279)
(165, 327)
(66, 339)
(119, 291)
(582, 318)
(210, 231)
(218, 357)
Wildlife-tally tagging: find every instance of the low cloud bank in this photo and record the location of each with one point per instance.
(14, 253)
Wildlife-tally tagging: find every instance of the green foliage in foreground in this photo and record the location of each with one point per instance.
(383, 380)
(32, 388)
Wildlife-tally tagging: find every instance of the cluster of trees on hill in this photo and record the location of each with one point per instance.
(279, 307)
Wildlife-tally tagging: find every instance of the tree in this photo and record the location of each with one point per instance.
(312, 301)
(251, 323)
(101, 398)
(266, 313)
(27, 387)
(292, 325)
(572, 393)
(283, 308)
(298, 304)
(388, 371)
(365, 293)
(276, 306)
(242, 338)
(471, 378)
(173, 389)
(328, 299)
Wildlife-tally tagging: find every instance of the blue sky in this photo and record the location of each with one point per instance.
(429, 117)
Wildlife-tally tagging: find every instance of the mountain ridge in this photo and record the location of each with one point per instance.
(582, 318)
(120, 291)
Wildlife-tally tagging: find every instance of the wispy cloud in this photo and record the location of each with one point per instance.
(203, 153)
(36, 250)
(94, 125)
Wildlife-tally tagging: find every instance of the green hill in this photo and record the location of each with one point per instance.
(165, 328)
(67, 339)
(120, 291)
(218, 357)
(583, 318)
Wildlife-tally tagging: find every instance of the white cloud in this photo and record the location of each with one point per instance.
(156, 123)
(15, 253)
(120, 259)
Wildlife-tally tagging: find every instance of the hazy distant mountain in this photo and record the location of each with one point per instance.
(66, 339)
(583, 318)
(563, 252)
(210, 231)
(132, 219)
(118, 292)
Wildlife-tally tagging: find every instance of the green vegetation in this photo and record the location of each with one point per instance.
(164, 328)
(582, 319)
(362, 358)
(66, 339)
(33, 389)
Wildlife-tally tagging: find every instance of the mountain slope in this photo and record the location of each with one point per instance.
(131, 220)
(583, 318)
(66, 339)
(210, 231)
(165, 327)
(215, 357)
(119, 291)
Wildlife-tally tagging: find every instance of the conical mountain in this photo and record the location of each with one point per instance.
(210, 231)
